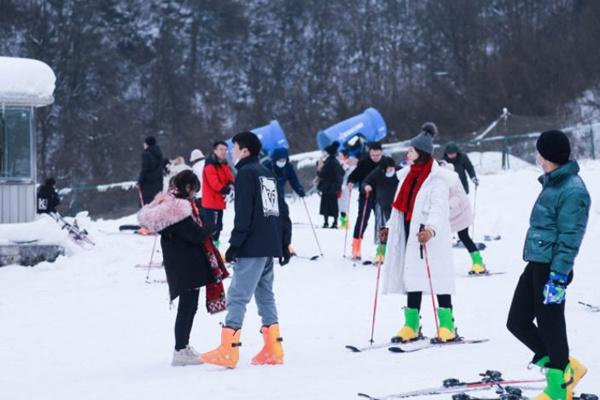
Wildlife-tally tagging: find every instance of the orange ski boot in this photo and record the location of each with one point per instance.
(228, 352)
(272, 351)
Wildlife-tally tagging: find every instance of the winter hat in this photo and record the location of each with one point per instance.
(451, 148)
(332, 148)
(424, 140)
(554, 146)
(387, 162)
(150, 141)
(280, 153)
(196, 155)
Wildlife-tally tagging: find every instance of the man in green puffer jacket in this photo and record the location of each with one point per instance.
(556, 229)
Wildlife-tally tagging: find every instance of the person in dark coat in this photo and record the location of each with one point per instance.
(284, 171)
(364, 167)
(462, 165)
(255, 240)
(383, 182)
(185, 255)
(47, 197)
(150, 181)
(331, 175)
(557, 226)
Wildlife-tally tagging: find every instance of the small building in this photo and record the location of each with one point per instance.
(25, 85)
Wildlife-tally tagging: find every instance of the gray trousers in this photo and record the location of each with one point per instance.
(251, 276)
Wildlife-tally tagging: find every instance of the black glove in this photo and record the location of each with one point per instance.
(286, 255)
(231, 254)
(301, 193)
(226, 190)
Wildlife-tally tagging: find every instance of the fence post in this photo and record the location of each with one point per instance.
(505, 154)
(592, 144)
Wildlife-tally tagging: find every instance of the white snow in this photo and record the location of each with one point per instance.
(89, 327)
(24, 81)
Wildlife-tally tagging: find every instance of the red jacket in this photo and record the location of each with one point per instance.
(216, 177)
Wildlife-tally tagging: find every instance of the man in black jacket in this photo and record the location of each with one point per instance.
(151, 178)
(47, 197)
(255, 240)
(462, 165)
(364, 168)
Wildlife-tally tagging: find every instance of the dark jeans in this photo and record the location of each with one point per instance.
(467, 241)
(213, 220)
(361, 207)
(549, 336)
(188, 305)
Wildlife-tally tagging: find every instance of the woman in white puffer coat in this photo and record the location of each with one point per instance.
(421, 220)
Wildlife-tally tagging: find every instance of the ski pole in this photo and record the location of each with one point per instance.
(375, 302)
(151, 258)
(474, 211)
(347, 220)
(433, 303)
(312, 226)
(140, 196)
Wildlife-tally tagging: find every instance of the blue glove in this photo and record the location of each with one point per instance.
(555, 289)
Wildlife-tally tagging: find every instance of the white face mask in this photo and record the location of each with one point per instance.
(389, 174)
(281, 164)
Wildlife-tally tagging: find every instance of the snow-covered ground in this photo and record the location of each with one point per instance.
(89, 327)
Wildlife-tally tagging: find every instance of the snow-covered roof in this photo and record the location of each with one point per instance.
(24, 81)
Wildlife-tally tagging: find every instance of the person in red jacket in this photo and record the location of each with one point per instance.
(217, 184)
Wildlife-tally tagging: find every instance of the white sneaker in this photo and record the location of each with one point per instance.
(187, 356)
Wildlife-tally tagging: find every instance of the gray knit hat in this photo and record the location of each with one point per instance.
(424, 140)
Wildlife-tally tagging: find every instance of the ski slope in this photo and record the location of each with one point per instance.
(89, 327)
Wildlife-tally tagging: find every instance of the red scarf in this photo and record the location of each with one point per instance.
(405, 201)
(217, 265)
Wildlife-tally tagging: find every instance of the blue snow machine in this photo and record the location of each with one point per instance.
(353, 133)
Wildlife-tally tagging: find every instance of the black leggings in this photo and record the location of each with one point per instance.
(188, 305)
(549, 337)
(467, 241)
(413, 299)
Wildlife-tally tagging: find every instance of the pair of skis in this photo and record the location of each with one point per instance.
(77, 235)
(417, 345)
(508, 389)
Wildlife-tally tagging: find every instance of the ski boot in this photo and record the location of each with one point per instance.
(380, 254)
(478, 267)
(411, 330)
(228, 352)
(325, 225)
(356, 249)
(334, 224)
(344, 222)
(556, 385)
(272, 351)
(187, 356)
(575, 371)
(447, 331)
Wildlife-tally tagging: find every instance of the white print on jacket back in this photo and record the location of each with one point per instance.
(268, 192)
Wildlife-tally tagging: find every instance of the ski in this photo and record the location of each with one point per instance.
(590, 307)
(77, 235)
(154, 265)
(432, 344)
(490, 379)
(487, 273)
(376, 346)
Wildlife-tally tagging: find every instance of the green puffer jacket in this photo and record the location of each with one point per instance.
(558, 219)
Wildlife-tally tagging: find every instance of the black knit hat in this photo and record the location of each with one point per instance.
(332, 148)
(150, 141)
(554, 146)
(424, 140)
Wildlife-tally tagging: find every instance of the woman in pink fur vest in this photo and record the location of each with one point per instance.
(186, 257)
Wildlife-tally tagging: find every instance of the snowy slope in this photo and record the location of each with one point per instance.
(88, 327)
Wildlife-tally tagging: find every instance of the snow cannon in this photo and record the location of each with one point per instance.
(271, 137)
(369, 126)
